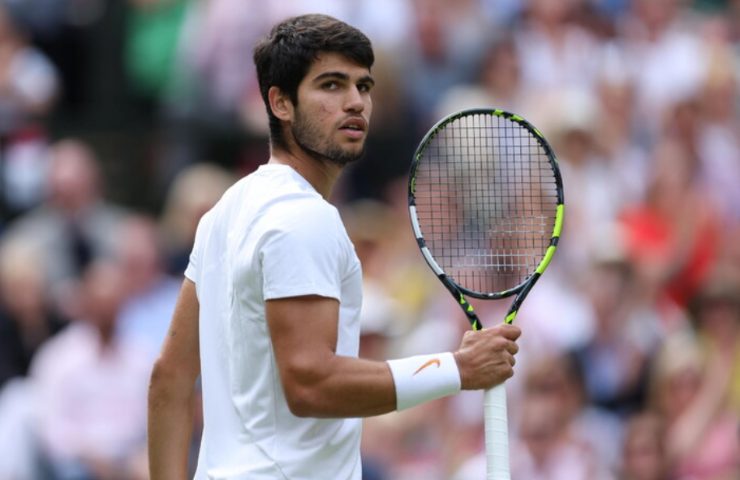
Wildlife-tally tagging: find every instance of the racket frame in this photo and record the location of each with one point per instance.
(495, 409)
(459, 292)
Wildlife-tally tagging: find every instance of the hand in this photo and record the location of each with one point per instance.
(486, 357)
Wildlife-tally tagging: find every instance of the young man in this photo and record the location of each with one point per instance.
(268, 313)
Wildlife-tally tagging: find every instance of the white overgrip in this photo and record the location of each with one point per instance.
(497, 434)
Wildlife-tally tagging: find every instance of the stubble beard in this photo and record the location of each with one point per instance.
(309, 138)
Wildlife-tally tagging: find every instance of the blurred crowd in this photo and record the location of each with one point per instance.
(122, 122)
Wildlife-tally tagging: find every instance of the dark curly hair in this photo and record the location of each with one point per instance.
(284, 57)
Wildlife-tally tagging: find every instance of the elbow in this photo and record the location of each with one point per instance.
(170, 382)
(162, 373)
(301, 405)
(304, 394)
(160, 381)
(159, 375)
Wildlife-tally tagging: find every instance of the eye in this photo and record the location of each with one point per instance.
(364, 87)
(330, 85)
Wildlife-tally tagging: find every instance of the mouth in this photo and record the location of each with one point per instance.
(354, 127)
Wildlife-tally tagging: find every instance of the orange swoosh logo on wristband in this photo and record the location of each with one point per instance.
(434, 361)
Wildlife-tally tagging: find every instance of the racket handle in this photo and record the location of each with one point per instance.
(497, 434)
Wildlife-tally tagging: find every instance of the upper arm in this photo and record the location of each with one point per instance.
(316, 381)
(304, 337)
(180, 353)
(171, 391)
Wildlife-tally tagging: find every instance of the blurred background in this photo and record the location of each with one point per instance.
(122, 122)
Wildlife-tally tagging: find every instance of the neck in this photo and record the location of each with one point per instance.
(321, 174)
(106, 335)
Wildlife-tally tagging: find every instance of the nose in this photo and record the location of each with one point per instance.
(355, 101)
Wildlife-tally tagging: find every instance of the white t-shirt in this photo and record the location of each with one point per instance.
(270, 236)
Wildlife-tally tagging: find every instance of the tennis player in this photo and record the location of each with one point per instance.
(268, 314)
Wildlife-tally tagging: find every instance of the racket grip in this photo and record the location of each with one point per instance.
(497, 434)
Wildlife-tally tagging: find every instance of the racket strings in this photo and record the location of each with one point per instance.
(486, 201)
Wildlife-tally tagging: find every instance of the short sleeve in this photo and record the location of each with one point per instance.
(191, 271)
(305, 256)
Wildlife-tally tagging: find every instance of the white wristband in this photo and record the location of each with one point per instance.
(422, 378)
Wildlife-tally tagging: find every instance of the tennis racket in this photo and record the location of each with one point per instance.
(486, 204)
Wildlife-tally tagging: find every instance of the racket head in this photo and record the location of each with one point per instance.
(486, 199)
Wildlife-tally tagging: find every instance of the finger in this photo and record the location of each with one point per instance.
(508, 371)
(512, 332)
(512, 347)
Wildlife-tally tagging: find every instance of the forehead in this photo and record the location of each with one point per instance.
(327, 62)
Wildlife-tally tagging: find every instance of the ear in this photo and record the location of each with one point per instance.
(280, 104)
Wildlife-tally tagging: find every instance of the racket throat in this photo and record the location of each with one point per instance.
(469, 312)
(514, 309)
(510, 317)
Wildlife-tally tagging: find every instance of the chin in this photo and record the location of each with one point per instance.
(346, 160)
(346, 155)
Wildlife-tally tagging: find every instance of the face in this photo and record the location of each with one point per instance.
(103, 291)
(72, 180)
(330, 121)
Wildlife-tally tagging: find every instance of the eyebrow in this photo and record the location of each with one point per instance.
(343, 76)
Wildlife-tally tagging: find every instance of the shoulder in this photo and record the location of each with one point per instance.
(65, 350)
(40, 220)
(286, 196)
(300, 223)
(310, 223)
(31, 60)
(303, 210)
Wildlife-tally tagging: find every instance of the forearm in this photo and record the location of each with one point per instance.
(349, 387)
(341, 387)
(319, 383)
(691, 426)
(169, 428)
(172, 391)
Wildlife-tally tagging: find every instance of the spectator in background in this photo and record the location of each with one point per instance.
(666, 58)
(29, 85)
(91, 388)
(615, 132)
(718, 133)
(733, 14)
(212, 105)
(600, 429)
(26, 317)
(28, 80)
(557, 435)
(555, 52)
(688, 389)
(194, 191)
(643, 452)
(152, 39)
(616, 358)
(17, 436)
(151, 292)
(715, 314)
(369, 227)
(440, 56)
(673, 236)
(74, 225)
(594, 195)
(497, 84)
